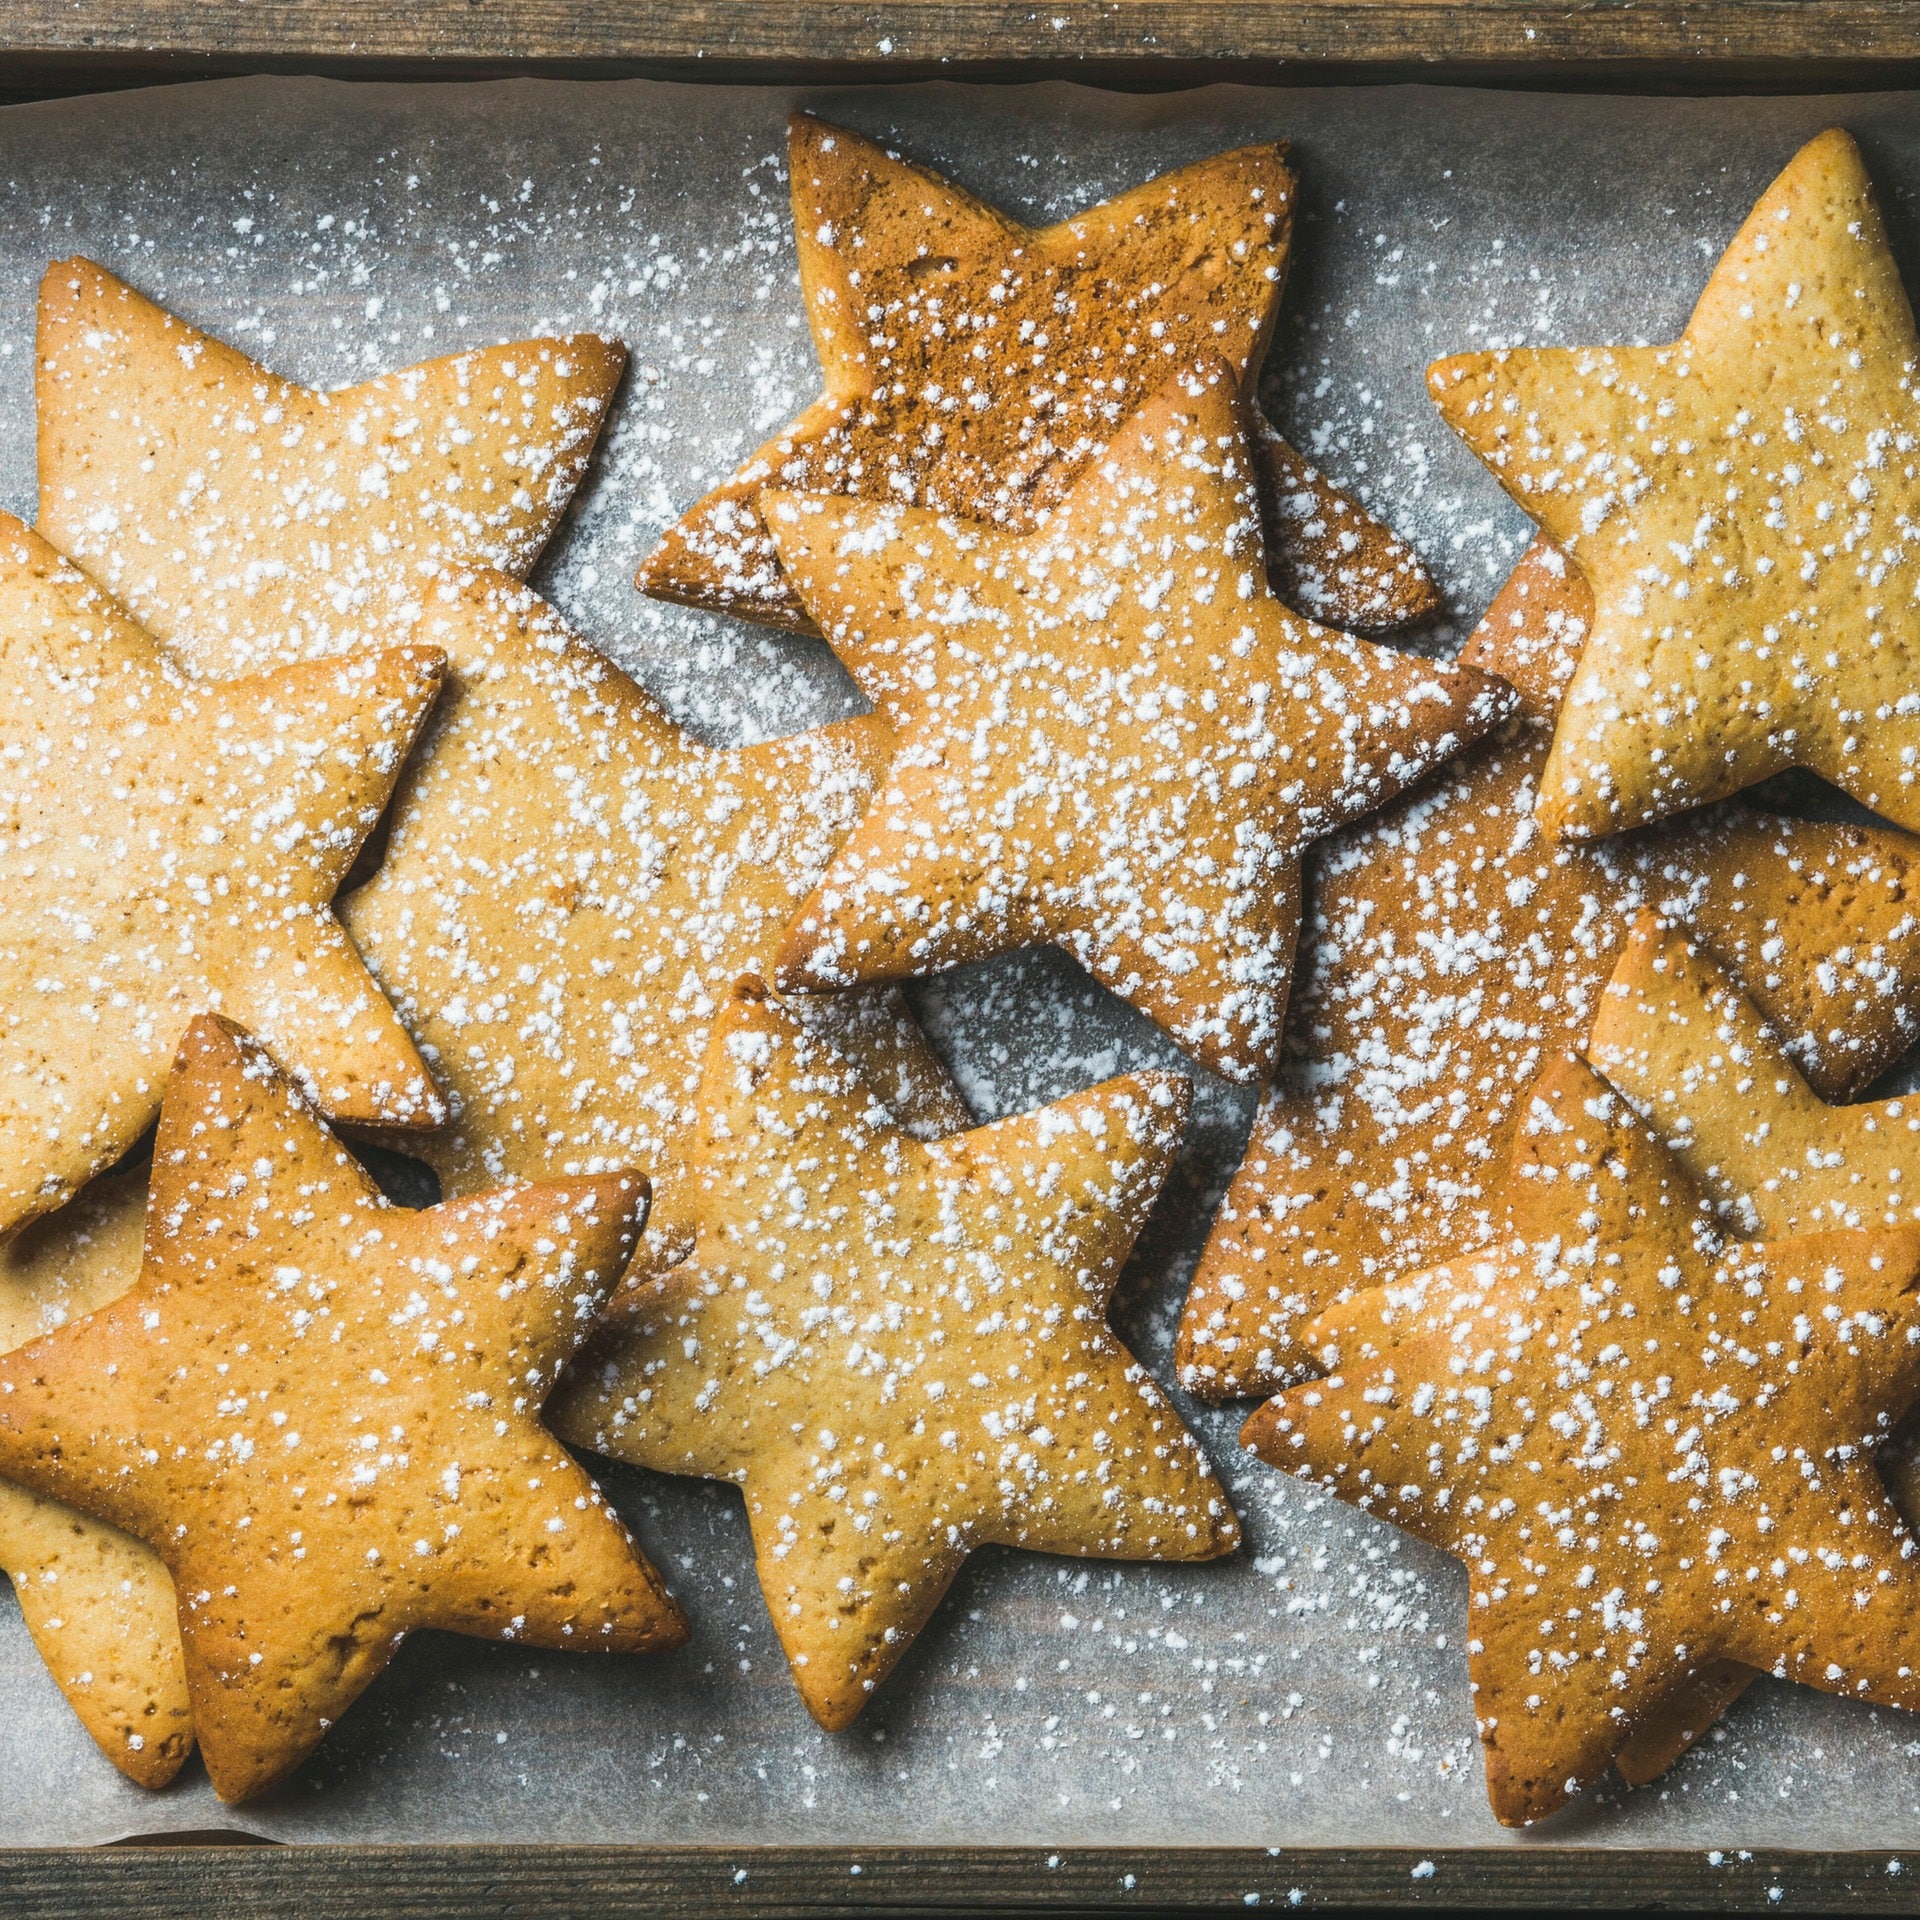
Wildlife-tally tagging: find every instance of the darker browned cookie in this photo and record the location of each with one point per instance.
(974, 366)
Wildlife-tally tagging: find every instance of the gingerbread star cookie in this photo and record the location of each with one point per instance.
(1450, 949)
(322, 1412)
(167, 847)
(1111, 735)
(1678, 1037)
(1653, 1452)
(571, 882)
(900, 1351)
(569, 888)
(246, 520)
(97, 1603)
(1675, 1033)
(974, 367)
(1744, 502)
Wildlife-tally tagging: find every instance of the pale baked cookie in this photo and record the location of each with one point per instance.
(974, 366)
(1744, 502)
(322, 1412)
(569, 888)
(1653, 1452)
(900, 1351)
(165, 848)
(1111, 735)
(97, 1602)
(572, 882)
(1450, 949)
(209, 494)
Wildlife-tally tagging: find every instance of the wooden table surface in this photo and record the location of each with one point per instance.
(70, 46)
(638, 1883)
(1665, 45)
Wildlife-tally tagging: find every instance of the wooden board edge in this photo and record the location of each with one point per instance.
(166, 1882)
(27, 76)
(886, 31)
(1652, 45)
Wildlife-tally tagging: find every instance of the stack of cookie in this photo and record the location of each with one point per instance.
(369, 847)
(1626, 1341)
(563, 904)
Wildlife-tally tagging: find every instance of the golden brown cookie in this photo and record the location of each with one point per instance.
(1677, 1036)
(322, 1411)
(1111, 735)
(1449, 950)
(167, 848)
(1652, 1452)
(572, 881)
(97, 1602)
(570, 886)
(206, 492)
(1669, 1731)
(1743, 502)
(1327, 557)
(899, 1351)
(974, 366)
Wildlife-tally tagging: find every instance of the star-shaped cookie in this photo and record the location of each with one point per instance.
(322, 1412)
(569, 888)
(165, 848)
(1449, 950)
(1111, 735)
(246, 520)
(1652, 1452)
(97, 1602)
(1678, 1037)
(571, 882)
(1746, 504)
(900, 1351)
(1675, 1034)
(974, 366)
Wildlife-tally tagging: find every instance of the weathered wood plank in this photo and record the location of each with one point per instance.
(634, 1883)
(1778, 44)
(1706, 42)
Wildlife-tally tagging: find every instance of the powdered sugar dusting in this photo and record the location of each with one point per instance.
(1111, 735)
(1299, 1691)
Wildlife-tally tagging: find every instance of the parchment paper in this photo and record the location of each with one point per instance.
(1312, 1690)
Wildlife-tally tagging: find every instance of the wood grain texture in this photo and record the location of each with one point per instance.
(633, 1883)
(70, 46)
(1652, 43)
